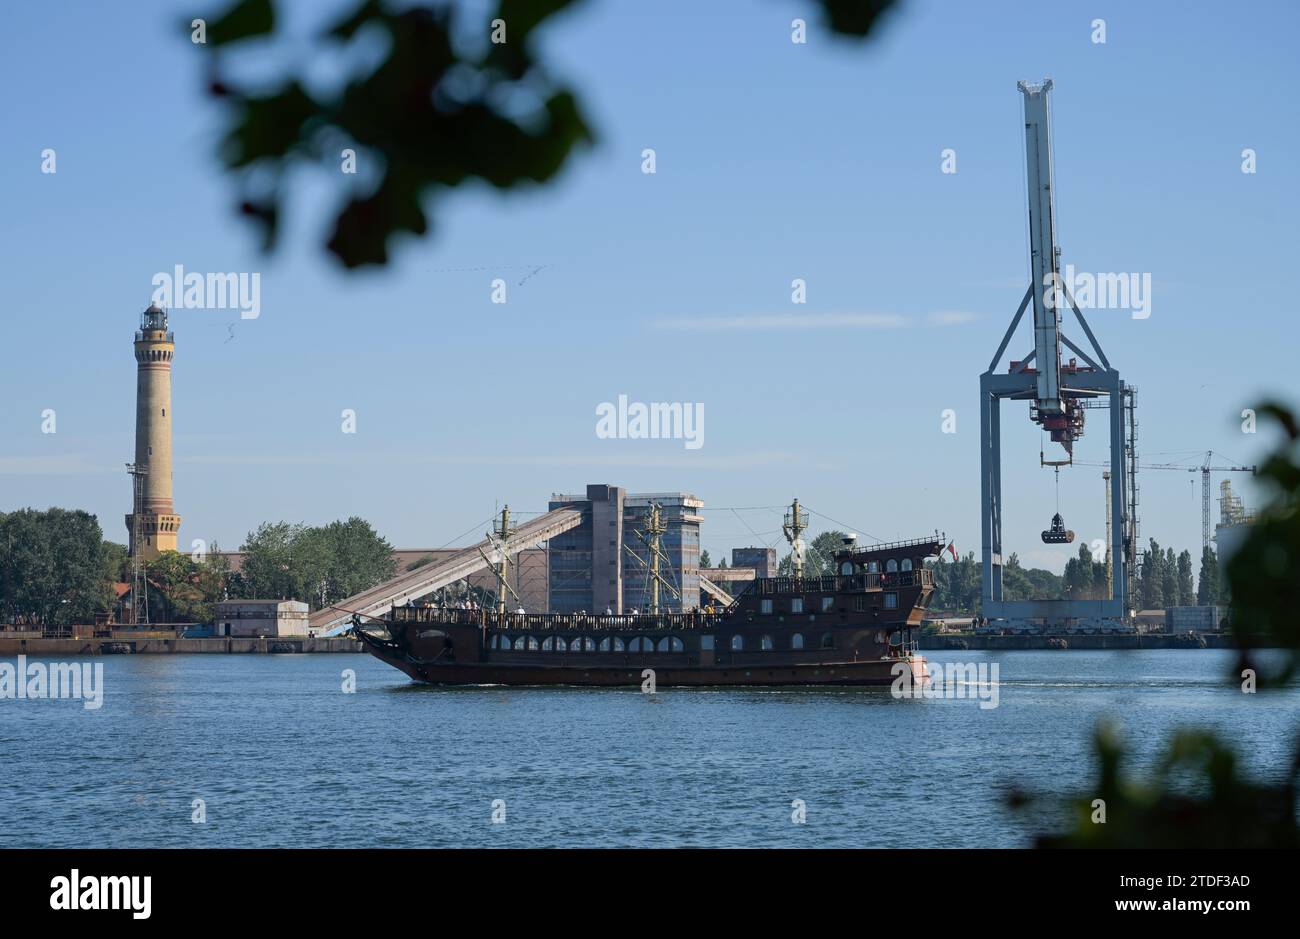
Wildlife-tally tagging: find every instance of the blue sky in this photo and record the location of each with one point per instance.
(775, 161)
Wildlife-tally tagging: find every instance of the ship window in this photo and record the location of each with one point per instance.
(891, 601)
(618, 644)
(706, 643)
(873, 567)
(765, 643)
(521, 643)
(671, 644)
(640, 644)
(846, 568)
(827, 604)
(766, 606)
(796, 605)
(553, 644)
(737, 643)
(604, 644)
(796, 641)
(828, 641)
(907, 564)
(891, 566)
(582, 644)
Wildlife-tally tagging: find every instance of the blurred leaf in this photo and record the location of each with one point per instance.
(854, 17)
(244, 20)
(1264, 573)
(271, 126)
(1215, 808)
(427, 117)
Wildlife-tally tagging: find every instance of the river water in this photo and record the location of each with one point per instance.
(281, 756)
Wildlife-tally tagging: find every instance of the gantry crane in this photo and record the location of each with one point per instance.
(1058, 394)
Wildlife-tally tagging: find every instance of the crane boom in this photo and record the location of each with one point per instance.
(1043, 252)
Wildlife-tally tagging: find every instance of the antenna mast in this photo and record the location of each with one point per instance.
(795, 524)
(501, 533)
(139, 579)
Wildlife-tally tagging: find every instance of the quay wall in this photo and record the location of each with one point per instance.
(946, 643)
(277, 645)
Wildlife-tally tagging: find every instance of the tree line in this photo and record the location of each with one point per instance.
(56, 569)
(1162, 580)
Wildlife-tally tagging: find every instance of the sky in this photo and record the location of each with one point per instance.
(775, 161)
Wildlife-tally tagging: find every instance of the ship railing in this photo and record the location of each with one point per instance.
(559, 622)
(937, 538)
(844, 583)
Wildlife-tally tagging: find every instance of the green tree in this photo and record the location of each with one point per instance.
(1186, 592)
(1022, 583)
(320, 565)
(705, 563)
(1170, 571)
(1153, 577)
(356, 558)
(957, 584)
(113, 570)
(51, 566)
(1207, 586)
(267, 569)
(212, 579)
(172, 576)
(819, 556)
(1084, 578)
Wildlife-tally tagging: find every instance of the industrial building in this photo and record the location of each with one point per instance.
(255, 618)
(605, 561)
(762, 560)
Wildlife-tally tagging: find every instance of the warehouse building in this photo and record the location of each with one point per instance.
(256, 618)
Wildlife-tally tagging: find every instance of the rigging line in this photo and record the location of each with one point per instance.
(846, 527)
(751, 530)
(741, 508)
(485, 521)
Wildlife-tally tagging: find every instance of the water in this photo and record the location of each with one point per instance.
(281, 757)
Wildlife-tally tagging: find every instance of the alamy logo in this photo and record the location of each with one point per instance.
(75, 892)
(659, 420)
(76, 681)
(1101, 291)
(955, 680)
(178, 290)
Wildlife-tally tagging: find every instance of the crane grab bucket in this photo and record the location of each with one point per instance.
(1058, 533)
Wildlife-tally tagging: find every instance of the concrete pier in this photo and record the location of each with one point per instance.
(948, 643)
(286, 645)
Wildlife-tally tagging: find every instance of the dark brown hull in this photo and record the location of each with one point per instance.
(879, 673)
(832, 630)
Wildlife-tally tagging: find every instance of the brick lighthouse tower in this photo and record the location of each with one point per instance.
(153, 523)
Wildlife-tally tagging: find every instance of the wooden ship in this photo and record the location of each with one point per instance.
(851, 626)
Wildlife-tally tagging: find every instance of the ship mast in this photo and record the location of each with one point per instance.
(652, 536)
(796, 523)
(500, 561)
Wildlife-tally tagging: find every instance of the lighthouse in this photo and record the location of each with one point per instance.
(153, 522)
